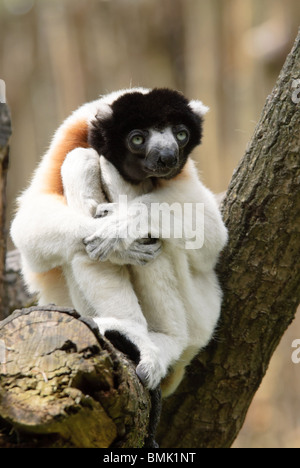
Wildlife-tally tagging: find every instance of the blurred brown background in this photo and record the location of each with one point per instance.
(57, 54)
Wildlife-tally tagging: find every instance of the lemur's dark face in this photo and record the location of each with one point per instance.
(148, 135)
(154, 152)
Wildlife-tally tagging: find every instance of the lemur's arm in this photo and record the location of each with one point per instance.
(82, 188)
(47, 232)
(45, 229)
(179, 192)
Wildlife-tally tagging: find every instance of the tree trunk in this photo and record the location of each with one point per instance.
(260, 275)
(5, 132)
(63, 385)
(16, 293)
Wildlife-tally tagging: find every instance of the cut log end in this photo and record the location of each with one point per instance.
(60, 378)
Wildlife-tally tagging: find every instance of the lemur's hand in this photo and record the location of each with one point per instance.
(105, 209)
(117, 241)
(140, 252)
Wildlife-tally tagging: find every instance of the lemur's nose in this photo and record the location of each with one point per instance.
(168, 157)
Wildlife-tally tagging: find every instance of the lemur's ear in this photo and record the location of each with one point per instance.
(104, 112)
(97, 135)
(198, 107)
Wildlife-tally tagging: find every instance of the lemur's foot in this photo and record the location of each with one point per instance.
(133, 340)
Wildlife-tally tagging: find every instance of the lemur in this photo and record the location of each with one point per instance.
(77, 239)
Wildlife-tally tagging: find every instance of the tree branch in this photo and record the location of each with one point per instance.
(63, 385)
(5, 132)
(17, 295)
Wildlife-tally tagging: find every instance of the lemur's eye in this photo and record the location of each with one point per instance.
(182, 136)
(137, 140)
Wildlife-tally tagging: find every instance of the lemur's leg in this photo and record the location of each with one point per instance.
(103, 289)
(164, 309)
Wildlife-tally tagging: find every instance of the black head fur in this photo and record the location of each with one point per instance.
(158, 108)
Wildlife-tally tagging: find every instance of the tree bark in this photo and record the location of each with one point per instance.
(16, 293)
(260, 275)
(5, 132)
(63, 385)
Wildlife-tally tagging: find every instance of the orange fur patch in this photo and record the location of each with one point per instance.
(74, 136)
(48, 278)
(52, 286)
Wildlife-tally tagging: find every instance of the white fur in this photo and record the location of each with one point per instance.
(163, 297)
(198, 107)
